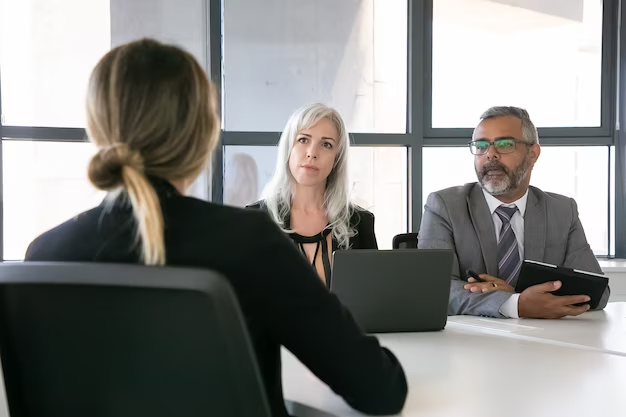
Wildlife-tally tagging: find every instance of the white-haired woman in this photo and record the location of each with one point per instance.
(308, 196)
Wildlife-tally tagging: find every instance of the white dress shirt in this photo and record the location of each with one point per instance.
(509, 307)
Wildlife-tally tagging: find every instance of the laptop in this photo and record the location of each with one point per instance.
(404, 290)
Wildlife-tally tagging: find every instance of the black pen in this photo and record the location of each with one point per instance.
(474, 275)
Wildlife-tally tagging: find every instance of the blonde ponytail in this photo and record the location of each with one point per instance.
(148, 215)
(117, 166)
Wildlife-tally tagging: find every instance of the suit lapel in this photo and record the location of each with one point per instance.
(534, 227)
(485, 230)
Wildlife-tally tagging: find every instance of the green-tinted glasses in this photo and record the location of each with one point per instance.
(504, 145)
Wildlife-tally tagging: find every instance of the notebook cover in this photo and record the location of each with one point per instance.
(574, 282)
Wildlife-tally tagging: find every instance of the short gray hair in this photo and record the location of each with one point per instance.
(528, 127)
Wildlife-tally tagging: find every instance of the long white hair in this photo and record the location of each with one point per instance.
(279, 191)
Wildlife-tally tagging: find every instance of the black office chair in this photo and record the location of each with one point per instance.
(404, 241)
(108, 340)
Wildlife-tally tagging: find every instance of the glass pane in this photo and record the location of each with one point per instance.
(351, 55)
(541, 55)
(45, 184)
(446, 167)
(612, 203)
(583, 174)
(47, 51)
(379, 182)
(578, 172)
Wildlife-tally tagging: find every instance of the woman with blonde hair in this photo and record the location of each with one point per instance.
(308, 196)
(151, 112)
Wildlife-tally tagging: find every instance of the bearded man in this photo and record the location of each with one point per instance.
(495, 224)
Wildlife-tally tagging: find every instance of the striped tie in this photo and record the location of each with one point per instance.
(509, 261)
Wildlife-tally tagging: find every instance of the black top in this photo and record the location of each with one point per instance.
(283, 300)
(361, 220)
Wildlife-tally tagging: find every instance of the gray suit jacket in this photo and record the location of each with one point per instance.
(458, 218)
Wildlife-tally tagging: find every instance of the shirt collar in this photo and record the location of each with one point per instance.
(494, 203)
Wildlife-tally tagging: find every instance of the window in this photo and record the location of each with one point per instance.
(45, 184)
(446, 167)
(612, 202)
(351, 55)
(544, 56)
(379, 182)
(578, 172)
(379, 178)
(583, 174)
(47, 51)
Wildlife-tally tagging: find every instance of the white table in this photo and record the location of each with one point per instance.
(464, 373)
(596, 330)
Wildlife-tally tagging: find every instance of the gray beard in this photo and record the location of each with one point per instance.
(509, 182)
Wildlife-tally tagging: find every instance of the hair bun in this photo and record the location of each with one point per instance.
(106, 169)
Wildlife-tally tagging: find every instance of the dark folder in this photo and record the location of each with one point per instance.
(575, 282)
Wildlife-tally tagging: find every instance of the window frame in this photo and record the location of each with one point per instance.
(549, 135)
(419, 130)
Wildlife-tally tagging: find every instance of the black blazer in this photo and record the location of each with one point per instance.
(283, 300)
(361, 220)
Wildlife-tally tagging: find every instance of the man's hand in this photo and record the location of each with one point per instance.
(490, 284)
(537, 302)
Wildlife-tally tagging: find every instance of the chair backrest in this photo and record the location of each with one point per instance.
(405, 241)
(110, 340)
